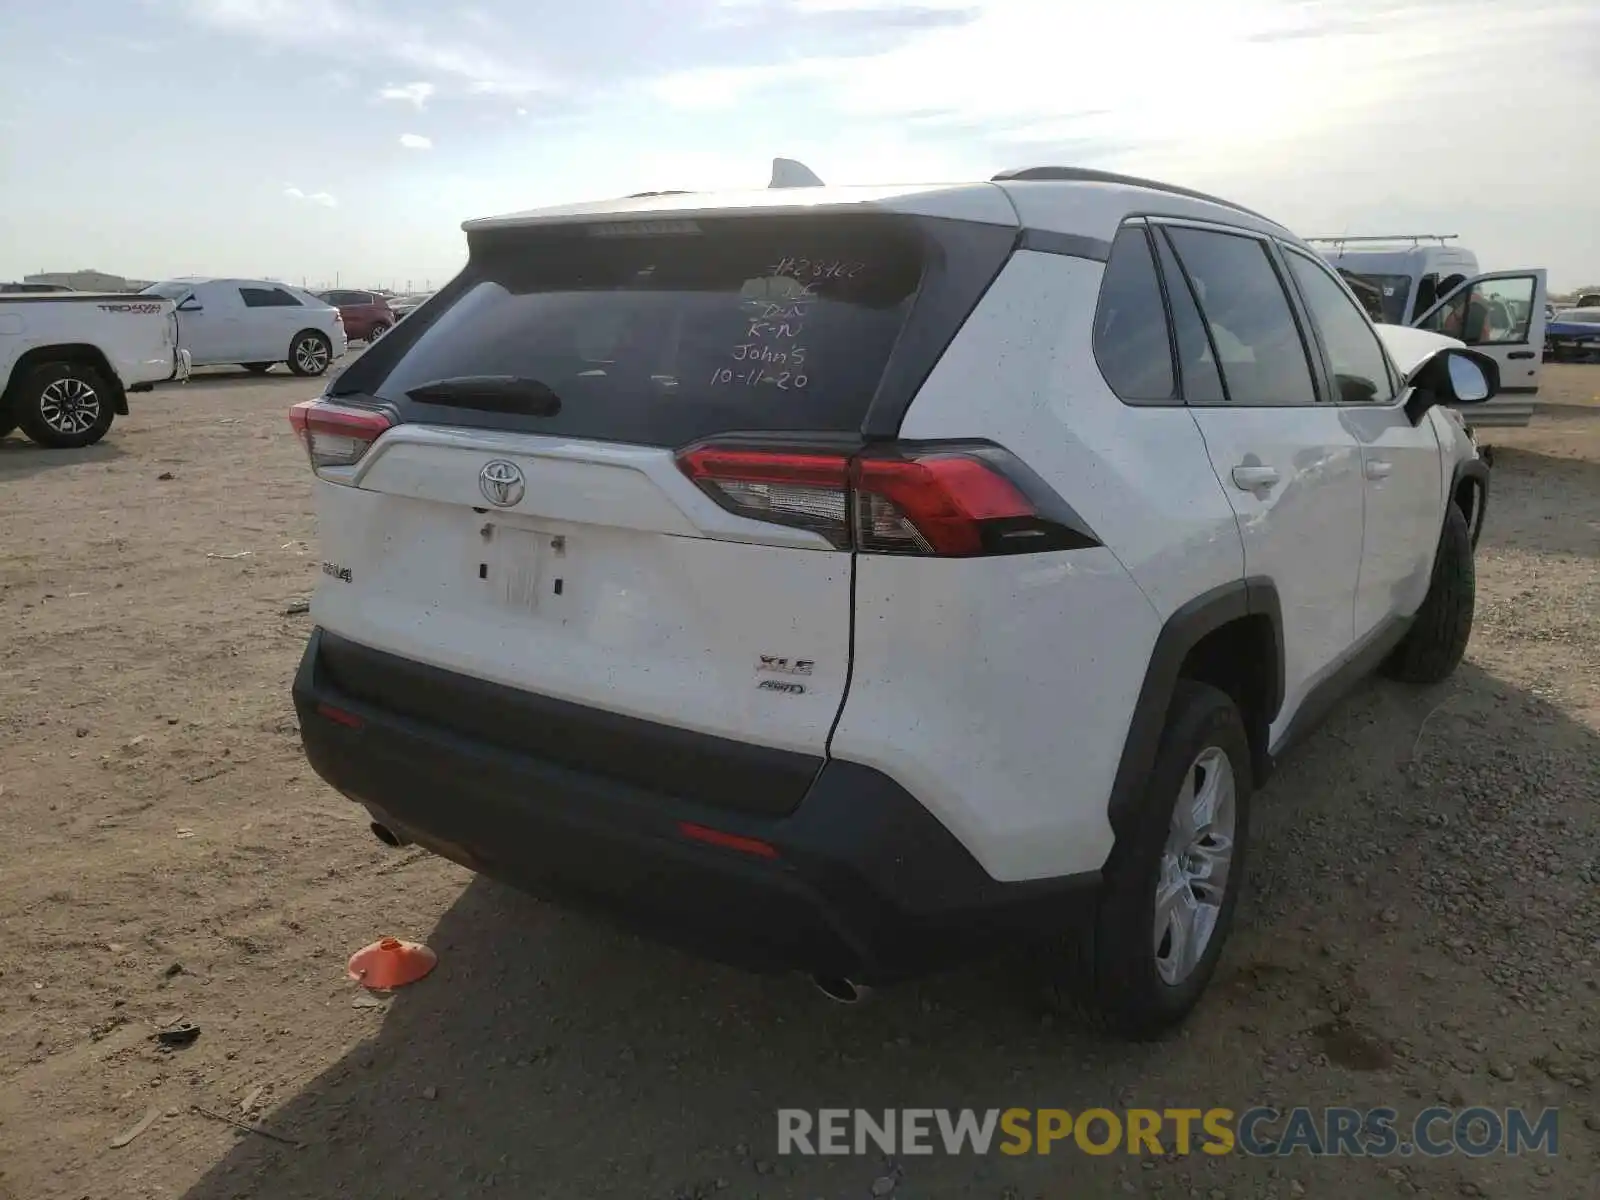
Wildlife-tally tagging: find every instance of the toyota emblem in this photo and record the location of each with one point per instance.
(501, 483)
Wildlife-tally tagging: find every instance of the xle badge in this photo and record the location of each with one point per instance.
(785, 666)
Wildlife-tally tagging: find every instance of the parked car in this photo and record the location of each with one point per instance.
(404, 306)
(1574, 334)
(859, 586)
(254, 323)
(367, 315)
(68, 361)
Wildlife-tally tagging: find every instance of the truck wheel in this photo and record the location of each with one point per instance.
(64, 406)
(310, 354)
(1169, 889)
(1438, 635)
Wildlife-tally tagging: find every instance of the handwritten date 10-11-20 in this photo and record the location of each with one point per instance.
(755, 377)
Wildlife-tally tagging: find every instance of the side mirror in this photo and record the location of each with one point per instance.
(1452, 376)
(190, 304)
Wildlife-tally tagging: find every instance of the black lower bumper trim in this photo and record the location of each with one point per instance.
(863, 881)
(720, 771)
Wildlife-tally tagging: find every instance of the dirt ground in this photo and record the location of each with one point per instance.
(1426, 879)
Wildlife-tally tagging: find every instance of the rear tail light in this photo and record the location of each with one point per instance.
(333, 435)
(956, 500)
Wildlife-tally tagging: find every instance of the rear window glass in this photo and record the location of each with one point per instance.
(661, 339)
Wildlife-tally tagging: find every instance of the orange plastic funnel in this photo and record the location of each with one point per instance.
(391, 963)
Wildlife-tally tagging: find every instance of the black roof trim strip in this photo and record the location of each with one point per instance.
(1050, 241)
(1085, 175)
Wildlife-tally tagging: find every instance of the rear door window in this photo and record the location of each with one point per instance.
(1248, 316)
(662, 334)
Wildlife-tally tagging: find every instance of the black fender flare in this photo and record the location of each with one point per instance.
(1183, 630)
(1476, 470)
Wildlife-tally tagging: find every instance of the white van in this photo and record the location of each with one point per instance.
(1424, 280)
(254, 323)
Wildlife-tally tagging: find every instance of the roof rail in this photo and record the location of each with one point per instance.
(668, 192)
(1087, 175)
(1413, 238)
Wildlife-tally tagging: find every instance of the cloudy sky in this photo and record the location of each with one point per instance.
(311, 137)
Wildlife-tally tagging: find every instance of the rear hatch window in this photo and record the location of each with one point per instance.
(658, 333)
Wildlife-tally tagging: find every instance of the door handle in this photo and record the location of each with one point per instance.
(1378, 469)
(1250, 479)
(1520, 354)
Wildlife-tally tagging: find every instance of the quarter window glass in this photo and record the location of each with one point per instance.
(1248, 316)
(1130, 325)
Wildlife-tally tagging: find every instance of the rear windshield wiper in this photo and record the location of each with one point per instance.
(495, 393)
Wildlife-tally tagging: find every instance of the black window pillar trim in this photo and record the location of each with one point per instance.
(1178, 399)
(1163, 242)
(1072, 245)
(1183, 630)
(962, 259)
(1317, 359)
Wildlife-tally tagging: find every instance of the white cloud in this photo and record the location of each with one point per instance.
(416, 94)
(522, 112)
(1240, 85)
(361, 29)
(415, 141)
(324, 199)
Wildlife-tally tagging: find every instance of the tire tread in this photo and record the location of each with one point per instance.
(1437, 640)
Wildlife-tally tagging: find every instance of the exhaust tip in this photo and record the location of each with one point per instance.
(387, 836)
(840, 990)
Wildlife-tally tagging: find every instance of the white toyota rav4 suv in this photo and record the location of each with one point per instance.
(856, 580)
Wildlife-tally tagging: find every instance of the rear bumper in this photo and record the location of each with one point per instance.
(858, 881)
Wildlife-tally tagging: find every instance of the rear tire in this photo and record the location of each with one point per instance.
(259, 368)
(64, 406)
(310, 353)
(1170, 888)
(1437, 639)
(377, 332)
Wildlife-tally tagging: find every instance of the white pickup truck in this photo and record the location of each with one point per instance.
(68, 361)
